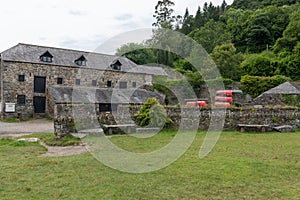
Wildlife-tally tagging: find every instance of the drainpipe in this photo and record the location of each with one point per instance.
(2, 86)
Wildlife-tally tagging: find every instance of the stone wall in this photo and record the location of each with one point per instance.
(13, 87)
(262, 116)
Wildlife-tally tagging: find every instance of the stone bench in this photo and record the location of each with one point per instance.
(147, 130)
(129, 128)
(253, 128)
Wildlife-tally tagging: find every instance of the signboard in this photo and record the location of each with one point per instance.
(10, 107)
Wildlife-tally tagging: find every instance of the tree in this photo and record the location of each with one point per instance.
(223, 6)
(260, 64)
(291, 62)
(288, 47)
(212, 34)
(228, 61)
(163, 15)
(199, 20)
(187, 23)
(138, 53)
(236, 25)
(255, 4)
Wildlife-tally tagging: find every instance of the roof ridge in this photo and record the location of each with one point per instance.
(64, 49)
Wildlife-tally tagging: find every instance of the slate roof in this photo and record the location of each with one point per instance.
(66, 57)
(285, 88)
(95, 95)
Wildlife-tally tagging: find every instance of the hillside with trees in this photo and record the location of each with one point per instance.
(248, 40)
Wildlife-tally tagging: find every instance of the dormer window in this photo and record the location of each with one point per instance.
(116, 65)
(46, 57)
(81, 61)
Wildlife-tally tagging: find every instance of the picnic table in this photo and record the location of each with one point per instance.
(252, 127)
(129, 128)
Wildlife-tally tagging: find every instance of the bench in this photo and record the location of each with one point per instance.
(129, 128)
(252, 128)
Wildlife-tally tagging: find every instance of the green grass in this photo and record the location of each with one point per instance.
(241, 166)
(48, 138)
(15, 120)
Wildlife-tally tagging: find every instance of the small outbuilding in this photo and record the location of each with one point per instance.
(279, 94)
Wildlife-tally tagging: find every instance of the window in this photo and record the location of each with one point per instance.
(21, 78)
(94, 83)
(108, 83)
(81, 61)
(21, 99)
(108, 107)
(123, 85)
(46, 57)
(116, 65)
(39, 84)
(134, 84)
(77, 82)
(59, 81)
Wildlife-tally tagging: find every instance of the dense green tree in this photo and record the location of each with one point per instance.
(228, 61)
(290, 63)
(182, 65)
(255, 4)
(236, 25)
(263, 64)
(187, 23)
(210, 35)
(223, 6)
(138, 53)
(288, 47)
(199, 20)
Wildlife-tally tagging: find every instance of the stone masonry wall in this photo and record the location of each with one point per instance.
(263, 116)
(13, 88)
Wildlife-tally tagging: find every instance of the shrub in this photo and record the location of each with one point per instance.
(256, 85)
(152, 114)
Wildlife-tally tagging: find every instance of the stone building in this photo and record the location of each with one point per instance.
(28, 71)
(278, 95)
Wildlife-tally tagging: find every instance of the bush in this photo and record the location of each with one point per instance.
(152, 114)
(256, 85)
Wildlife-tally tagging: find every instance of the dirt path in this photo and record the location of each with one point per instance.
(28, 127)
(20, 129)
(64, 151)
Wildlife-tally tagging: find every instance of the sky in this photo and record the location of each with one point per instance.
(78, 24)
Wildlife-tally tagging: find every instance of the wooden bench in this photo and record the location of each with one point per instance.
(129, 128)
(252, 128)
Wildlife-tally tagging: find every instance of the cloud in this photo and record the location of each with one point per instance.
(85, 44)
(124, 17)
(77, 12)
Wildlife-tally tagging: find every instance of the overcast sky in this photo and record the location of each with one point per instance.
(78, 24)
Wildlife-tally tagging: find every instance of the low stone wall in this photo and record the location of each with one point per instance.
(88, 116)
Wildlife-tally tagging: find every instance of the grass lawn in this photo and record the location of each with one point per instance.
(241, 166)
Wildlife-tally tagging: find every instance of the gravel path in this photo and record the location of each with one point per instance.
(25, 128)
(20, 129)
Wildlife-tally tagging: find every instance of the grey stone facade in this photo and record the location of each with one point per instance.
(64, 120)
(24, 68)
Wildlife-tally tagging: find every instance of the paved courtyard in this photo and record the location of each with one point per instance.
(28, 127)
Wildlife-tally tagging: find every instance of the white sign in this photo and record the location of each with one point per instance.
(10, 107)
